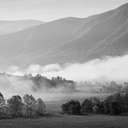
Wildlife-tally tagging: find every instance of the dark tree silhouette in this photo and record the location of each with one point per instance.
(29, 106)
(86, 106)
(72, 107)
(40, 107)
(15, 106)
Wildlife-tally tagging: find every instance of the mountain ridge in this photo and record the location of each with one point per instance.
(7, 27)
(68, 40)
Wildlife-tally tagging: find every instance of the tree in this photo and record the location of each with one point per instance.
(72, 107)
(3, 107)
(97, 105)
(30, 106)
(2, 100)
(115, 108)
(15, 106)
(86, 106)
(40, 107)
(95, 101)
(113, 104)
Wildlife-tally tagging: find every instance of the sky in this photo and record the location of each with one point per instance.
(47, 10)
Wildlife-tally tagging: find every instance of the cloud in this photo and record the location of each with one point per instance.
(47, 10)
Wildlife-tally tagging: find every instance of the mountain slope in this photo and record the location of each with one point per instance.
(68, 40)
(7, 27)
(38, 40)
(94, 42)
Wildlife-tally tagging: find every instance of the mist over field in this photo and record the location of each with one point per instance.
(96, 72)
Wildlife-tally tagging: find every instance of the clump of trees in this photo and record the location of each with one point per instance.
(72, 107)
(115, 104)
(17, 106)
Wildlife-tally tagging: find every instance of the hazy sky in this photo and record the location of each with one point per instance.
(53, 9)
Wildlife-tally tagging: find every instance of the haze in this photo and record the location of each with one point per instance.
(47, 10)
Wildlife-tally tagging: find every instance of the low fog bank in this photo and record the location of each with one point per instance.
(90, 77)
(106, 69)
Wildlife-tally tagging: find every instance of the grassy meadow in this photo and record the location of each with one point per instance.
(64, 121)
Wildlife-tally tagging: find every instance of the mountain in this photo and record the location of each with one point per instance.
(68, 40)
(108, 37)
(25, 45)
(7, 27)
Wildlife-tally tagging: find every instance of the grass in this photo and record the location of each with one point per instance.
(65, 121)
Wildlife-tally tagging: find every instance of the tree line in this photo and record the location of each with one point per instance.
(115, 104)
(17, 106)
(29, 107)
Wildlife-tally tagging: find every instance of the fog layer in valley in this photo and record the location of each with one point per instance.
(108, 68)
(98, 70)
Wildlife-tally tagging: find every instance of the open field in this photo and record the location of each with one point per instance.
(92, 121)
